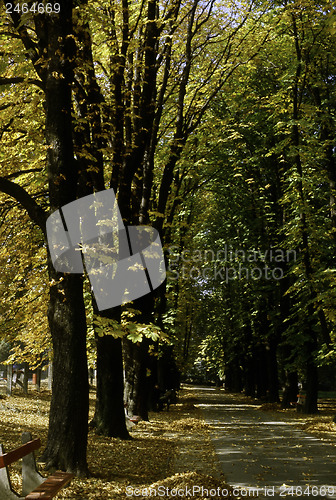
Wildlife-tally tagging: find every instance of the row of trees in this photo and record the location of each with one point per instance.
(98, 95)
(262, 291)
(214, 123)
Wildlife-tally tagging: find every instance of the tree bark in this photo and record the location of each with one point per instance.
(291, 389)
(109, 418)
(311, 374)
(310, 344)
(53, 58)
(68, 420)
(25, 378)
(136, 380)
(9, 380)
(272, 370)
(310, 406)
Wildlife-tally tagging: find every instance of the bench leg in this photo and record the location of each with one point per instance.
(6, 491)
(30, 476)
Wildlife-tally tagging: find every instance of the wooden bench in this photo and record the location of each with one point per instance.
(34, 486)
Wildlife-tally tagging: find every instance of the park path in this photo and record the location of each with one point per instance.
(258, 449)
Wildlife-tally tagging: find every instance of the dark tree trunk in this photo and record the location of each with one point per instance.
(109, 418)
(310, 344)
(291, 389)
(291, 376)
(311, 377)
(136, 380)
(310, 406)
(38, 379)
(272, 371)
(250, 385)
(260, 367)
(68, 419)
(233, 378)
(168, 375)
(137, 363)
(249, 362)
(25, 378)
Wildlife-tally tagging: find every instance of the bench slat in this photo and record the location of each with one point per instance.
(12, 456)
(51, 486)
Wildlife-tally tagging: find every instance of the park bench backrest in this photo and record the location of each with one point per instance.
(12, 456)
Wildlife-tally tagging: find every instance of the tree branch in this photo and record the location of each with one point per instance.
(20, 79)
(35, 211)
(30, 45)
(22, 172)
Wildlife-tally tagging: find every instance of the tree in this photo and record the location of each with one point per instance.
(272, 193)
(52, 53)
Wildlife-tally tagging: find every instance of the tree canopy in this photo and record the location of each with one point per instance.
(213, 122)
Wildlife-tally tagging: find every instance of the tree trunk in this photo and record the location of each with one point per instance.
(50, 375)
(291, 389)
(249, 385)
(137, 363)
(25, 378)
(310, 406)
(249, 363)
(311, 377)
(233, 378)
(109, 418)
(272, 370)
(260, 367)
(136, 383)
(167, 373)
(68, 419)
(310, 344)
(38, 379)
(9, 380)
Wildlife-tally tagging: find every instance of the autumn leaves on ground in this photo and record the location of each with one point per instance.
(148, 458)
(172, 450)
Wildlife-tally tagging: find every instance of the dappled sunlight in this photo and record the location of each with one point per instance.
(226, 406)
(258, 447)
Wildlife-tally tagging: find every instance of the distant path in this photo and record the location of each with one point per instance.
(255, 450)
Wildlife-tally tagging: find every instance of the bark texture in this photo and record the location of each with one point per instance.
(68, 421)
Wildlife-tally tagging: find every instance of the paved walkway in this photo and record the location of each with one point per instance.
(255, 450)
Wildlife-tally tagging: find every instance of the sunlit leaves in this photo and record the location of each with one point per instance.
(24, 289)
(128, 327)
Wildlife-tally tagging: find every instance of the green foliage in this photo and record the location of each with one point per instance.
(270, 186)
(24, 288)
(128, 327)
(222, 122)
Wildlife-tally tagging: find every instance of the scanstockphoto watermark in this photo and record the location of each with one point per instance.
(197, 491)
(228, 263)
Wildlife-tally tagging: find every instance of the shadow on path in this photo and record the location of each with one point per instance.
(257, 450)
